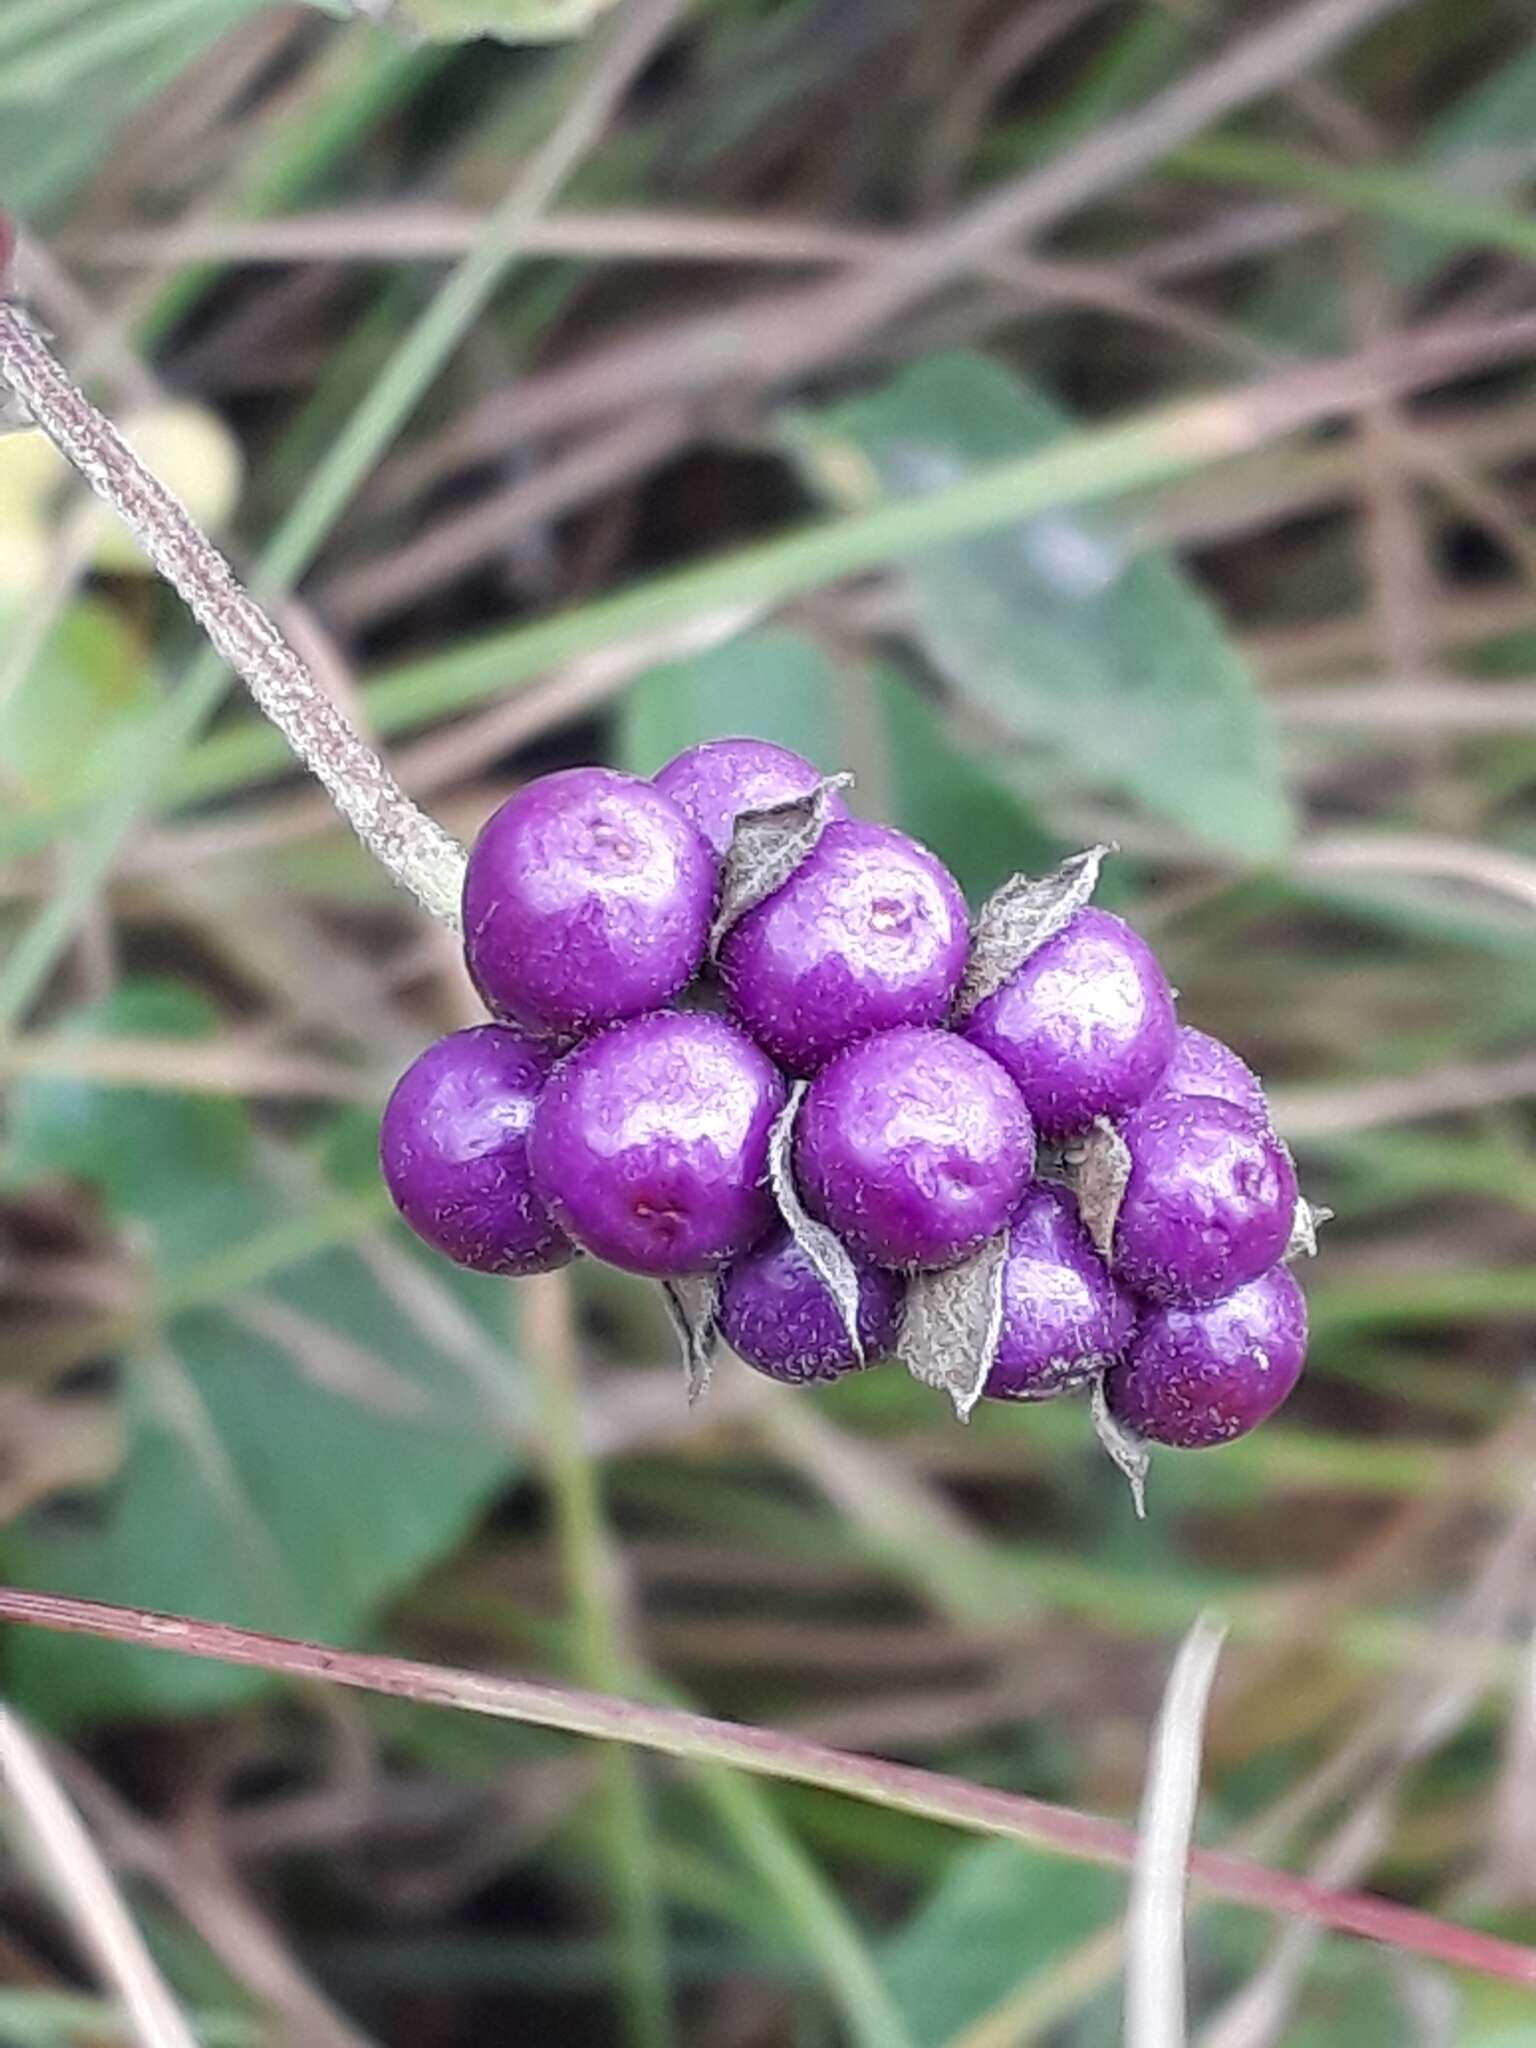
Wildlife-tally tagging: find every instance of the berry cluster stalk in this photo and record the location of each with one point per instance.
(413, 847)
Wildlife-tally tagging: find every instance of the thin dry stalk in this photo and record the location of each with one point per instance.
(1154, 1965)
(73, 1869)
(770, 1753)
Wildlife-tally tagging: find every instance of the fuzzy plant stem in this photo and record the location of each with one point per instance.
(413, 847)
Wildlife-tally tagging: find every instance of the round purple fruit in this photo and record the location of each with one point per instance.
(778, 1314)
(453, 1146)
(650, 1144)
(714, 783)
(914, 1147)
(870, 932)
(1200, 1376)
(1209, 1203)
(1064, 1317)
(587, 899)
(1202, 1065)
(1086, 1025)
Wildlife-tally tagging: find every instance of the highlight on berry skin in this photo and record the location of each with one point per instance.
(788, 1107)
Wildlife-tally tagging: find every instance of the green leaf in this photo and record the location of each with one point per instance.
(176, 1163)
(461, 21)
(771, 685)
(1001, 1913)
(61, 731)
(950, 799)
(293, 1456)
(1098, 663)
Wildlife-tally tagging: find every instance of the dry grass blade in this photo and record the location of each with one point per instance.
(73, 1869)
(216, 1067)
(1110, 154)
(699, 1738)
(1154, 1968)
(1373, 1105)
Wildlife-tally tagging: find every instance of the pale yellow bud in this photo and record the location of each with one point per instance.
(25, 549)
(31, 471)
(195, 456)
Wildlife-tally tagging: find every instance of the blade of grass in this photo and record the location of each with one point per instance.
(26, 18)
(1099, 463)
(78, 1877)
(48, 72)
(739, 1805)
(1378, 190)
(810, 1904)
(351, 86)
(1154, 1970)
(591, 1572)
(696, 1738)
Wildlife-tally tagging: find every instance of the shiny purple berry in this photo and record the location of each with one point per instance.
(1202, 1065)
(1064, 1317)
(1209, 1203)
(914, 1147)
(588, 898)
(650, 1144)
(1086, 1026)
(869, 932)
(711, 784)
(780, 1317)
(453, 1146)
(1200, 1376)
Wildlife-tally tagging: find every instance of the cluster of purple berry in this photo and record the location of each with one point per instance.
(748, 1042)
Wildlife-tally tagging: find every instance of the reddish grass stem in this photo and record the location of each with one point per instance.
(901, 1787)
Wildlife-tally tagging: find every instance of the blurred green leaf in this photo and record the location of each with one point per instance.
(178, 1164)
(293, 1456)
(61, 730)
(1350, 1995)
(457, 21)
(1001, 1913)
(950, 799)
(1493, 2014)
(1099, 662)
(771, 685)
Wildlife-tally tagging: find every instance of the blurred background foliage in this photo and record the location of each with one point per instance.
(1294, 686)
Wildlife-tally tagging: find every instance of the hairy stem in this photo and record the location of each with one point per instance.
(412, 846)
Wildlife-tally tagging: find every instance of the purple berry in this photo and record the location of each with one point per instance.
(1064, 1317)
(453, 1145)
(711, 784)
(587, 899)
(1085, 1026)
(651, 1143)
(1209, 1203)
(1202, 1065)
(779, 1316)
(914, 1147)
(869, 932)
(1200, 1376)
